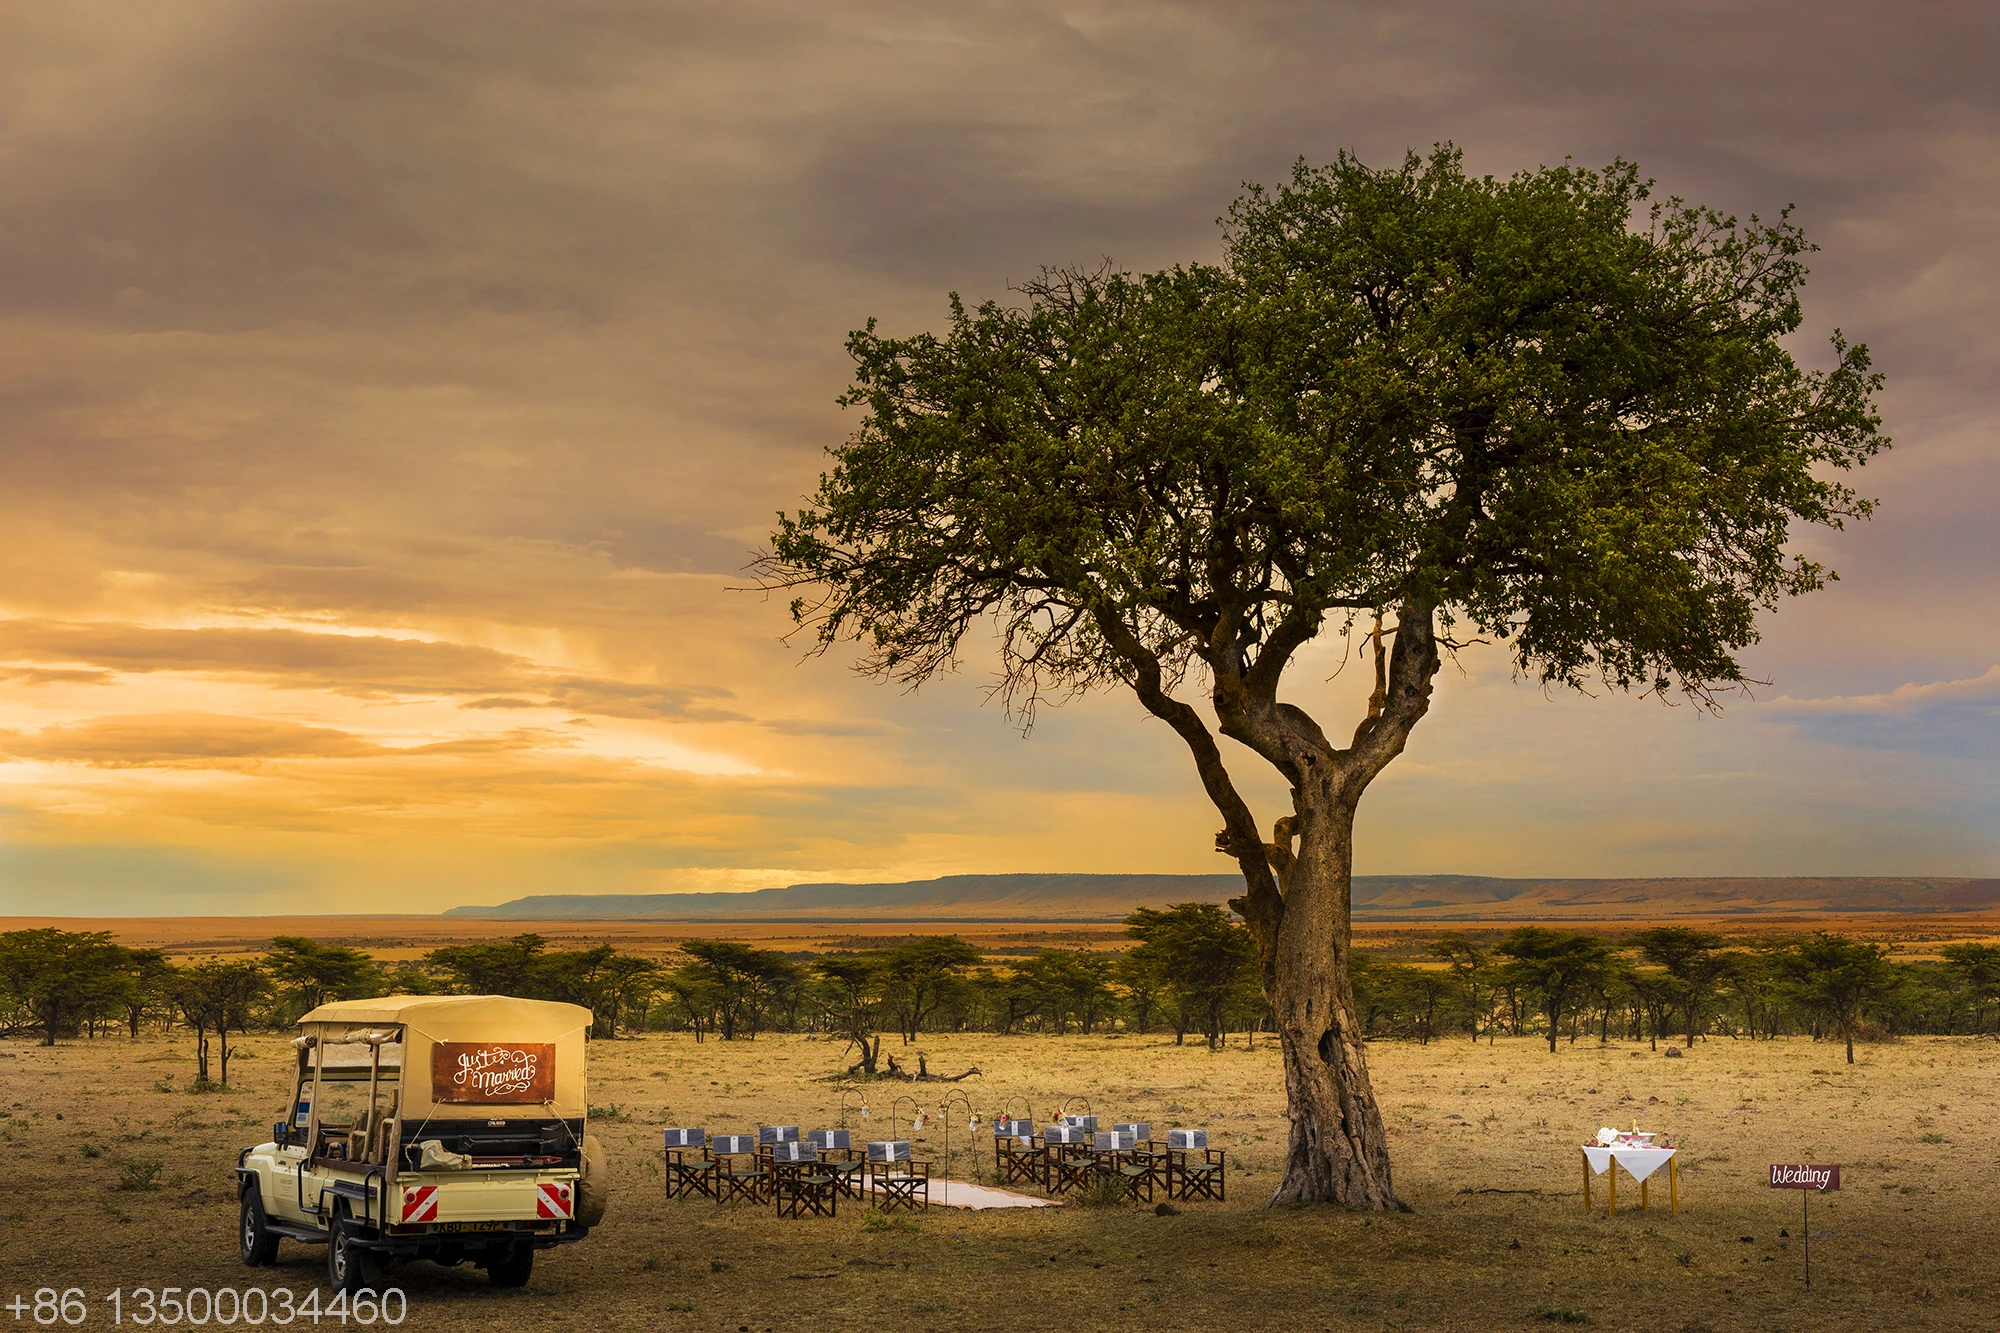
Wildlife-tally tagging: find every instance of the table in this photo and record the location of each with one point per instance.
(1640, 1163)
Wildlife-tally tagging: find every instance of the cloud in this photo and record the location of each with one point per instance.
(185, 741)
(361, 665)
(1955, 718)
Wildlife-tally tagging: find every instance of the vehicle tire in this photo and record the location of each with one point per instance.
(349, 1268)
(260, 1243)
(513, 1266)
(593, 1184)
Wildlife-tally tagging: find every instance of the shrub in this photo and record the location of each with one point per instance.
(1104, 1192)
(140, 1175)
(877, 1220)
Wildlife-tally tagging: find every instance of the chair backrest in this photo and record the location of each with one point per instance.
(1187, 1139)
(1065, 1134)
(1014, 1129)
(794, 1152)
(767, 1134)
(828, 1138)
(686, 1138)
(889, 1150)
(1086, 1123)
(1110, 1140)
(723, 1145)
(1139, 1130)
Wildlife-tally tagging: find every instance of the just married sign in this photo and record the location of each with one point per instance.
(493, 1073)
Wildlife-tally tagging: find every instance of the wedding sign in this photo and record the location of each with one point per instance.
(493, 1073)
(1805, 1177)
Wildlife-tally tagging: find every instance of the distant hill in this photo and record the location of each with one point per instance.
(1376, 897)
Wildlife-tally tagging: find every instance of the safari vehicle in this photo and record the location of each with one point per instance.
(440, 1127)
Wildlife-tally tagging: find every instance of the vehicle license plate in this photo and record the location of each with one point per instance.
(473, 1226)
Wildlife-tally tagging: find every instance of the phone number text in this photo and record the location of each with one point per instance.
(173, 1307)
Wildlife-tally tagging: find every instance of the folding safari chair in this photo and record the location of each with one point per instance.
(800, 1182)
(894, 1179)
(1067, 1160)
(690, 1170)
(842, 1160)
(1017, 1158)
(1145, 1150)
(770, 1135)
(735, 1179)
(1111, 1159)
(1189, 1178)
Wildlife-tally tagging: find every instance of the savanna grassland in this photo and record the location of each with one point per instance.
(1484, 1141)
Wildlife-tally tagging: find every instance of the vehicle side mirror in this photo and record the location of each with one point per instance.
(281, 1134)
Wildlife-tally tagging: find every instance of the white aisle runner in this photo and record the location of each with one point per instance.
(958, 1194)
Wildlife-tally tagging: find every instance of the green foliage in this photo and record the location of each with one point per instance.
(214, 998)
(313, 973)
(54, 981)
(1198, 959)
(917, 977)
(1976, 967)
(1694, 965)
(1836, 979)
(1064, 987)
(729, 987)
(875, 1220)
(140, 1175)
(1104, 1191)
(600, 978)
(1558, 966)
(1405, 385)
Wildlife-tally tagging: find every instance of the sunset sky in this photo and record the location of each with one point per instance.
(392, 396)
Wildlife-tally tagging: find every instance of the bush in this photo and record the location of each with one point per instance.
(1104, 1192)
(140, 1175)
(877, 1220)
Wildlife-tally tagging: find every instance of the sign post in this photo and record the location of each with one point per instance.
(1806, 1179)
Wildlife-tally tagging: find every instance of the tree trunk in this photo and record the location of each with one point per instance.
(1338, 1151)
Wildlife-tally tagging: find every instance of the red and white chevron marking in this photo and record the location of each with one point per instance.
(420, 1203)
(551, 1199)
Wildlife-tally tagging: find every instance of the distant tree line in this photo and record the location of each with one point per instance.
(1678, 983)
(1190, 969)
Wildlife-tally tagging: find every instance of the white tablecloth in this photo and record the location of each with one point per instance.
(1641, 1162)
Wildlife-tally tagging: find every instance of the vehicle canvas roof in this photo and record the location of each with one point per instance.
(438, 1029)
(459, 1017)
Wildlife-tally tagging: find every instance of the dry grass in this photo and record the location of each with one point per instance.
(1484, 1149)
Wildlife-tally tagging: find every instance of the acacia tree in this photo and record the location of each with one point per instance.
(1437, 405)
(1199, 955)
(918, 975)
(1693, 958)
(1561, 967)
(1837, 978)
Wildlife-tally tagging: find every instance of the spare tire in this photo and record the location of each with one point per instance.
(593, 1185)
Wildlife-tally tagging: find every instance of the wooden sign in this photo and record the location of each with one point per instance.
(493, 1073)
(1820, 1178)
